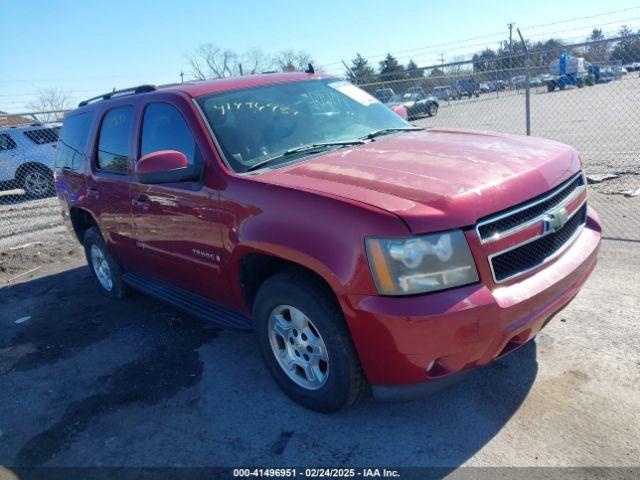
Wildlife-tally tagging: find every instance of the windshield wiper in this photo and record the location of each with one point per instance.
(386, 131)
(303, 149)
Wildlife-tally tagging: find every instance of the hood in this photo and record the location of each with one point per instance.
(437, 179)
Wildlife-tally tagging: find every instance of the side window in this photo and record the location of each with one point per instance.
(164, 128)
(73, 141)
(6, 142)
(43, 135)
(114, 144)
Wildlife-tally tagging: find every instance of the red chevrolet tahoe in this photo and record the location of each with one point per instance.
(363, 251)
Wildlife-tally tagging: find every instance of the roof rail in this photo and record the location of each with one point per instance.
(117, 93)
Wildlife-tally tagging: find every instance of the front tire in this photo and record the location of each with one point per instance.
(305, 344)
(432, 110)
(103, 266)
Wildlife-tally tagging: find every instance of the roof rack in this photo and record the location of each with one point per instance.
(117, 93)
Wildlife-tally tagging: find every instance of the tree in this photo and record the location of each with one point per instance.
(543, 53)
(627, 48)
(484, 61)
(412, 70)
(293, 60)
(210, 61)
(390, 66)
(360, 70)
(436, 72)
(256, 61)
(51, 99)
(596, 52)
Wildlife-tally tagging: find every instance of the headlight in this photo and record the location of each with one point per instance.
(406, 266)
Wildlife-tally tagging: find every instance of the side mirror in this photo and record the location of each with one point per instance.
(167, 166)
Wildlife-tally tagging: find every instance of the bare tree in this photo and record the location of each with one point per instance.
(50, 100)
(292, 60)
(210, 61)
(256, 61)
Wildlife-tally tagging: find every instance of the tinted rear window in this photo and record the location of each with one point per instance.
(114, 146)
(43, 135)
(73, 141)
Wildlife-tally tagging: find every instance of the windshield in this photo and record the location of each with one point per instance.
(257, 123)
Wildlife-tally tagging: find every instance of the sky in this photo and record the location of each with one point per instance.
(88, 47)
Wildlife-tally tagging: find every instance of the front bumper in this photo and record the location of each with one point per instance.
(397, 338)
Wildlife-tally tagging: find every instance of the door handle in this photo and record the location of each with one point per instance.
(92, 192)
(141, 201)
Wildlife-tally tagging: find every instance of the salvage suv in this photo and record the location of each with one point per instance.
(364, 252)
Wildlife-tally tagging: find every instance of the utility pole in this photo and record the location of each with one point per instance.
(527, 79)
(441, 59)
(510, 25)
(181, 77)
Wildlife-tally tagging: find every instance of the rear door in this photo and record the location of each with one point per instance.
(71, 159)
(107, 185)
(176, 225)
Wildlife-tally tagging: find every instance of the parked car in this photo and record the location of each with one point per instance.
(485, 87)
(384, 94)
(27, 155)
(498, 85)
(360, 250)
(417, 90)
(466, 88)
(535, 82)
(415, 105)
(519, 81)
(445, 93)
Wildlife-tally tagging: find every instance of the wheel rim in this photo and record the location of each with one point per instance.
(298, 347)
(101, 268)
(36, 183)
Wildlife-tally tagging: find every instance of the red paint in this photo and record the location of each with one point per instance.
(317, 212)
(161, 161)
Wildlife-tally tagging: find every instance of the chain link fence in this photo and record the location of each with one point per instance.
(30, 219)
(585, 95)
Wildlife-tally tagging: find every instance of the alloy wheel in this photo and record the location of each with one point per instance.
(101, 268)
(298, 347)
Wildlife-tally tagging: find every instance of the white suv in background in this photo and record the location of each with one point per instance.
(27, 156)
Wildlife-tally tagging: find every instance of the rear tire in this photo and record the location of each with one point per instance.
(37, 182)
(433, 110)
(305, 343)
(104, 268)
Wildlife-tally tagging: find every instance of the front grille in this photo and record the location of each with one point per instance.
(522, 213)
(530, 255)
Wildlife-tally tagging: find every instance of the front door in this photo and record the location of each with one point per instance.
(176, 225)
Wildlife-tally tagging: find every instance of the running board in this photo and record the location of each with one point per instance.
(187, 302)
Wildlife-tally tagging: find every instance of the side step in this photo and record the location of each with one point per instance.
(189, 303)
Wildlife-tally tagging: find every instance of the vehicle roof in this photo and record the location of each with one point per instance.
(204, 87)
(30, 126)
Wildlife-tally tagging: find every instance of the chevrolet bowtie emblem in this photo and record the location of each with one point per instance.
(554, 221)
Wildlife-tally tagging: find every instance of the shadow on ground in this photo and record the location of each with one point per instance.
(172, 390)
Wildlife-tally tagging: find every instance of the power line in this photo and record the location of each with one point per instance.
(581, 18)
(491, 35)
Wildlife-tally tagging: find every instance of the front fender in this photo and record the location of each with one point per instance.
(322, 233)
